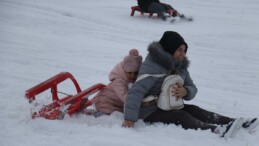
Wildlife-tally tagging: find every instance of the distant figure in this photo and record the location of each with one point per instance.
(156, 6)
(122, 76)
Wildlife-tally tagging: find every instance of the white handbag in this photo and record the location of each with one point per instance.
(165, 100)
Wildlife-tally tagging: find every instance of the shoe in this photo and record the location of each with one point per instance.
(183, 17)
(229, 130)
(99, 114)
(250, 124)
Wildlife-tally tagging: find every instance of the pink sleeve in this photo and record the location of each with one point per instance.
(120, 88)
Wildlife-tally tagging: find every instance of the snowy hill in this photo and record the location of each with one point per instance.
(39, 39)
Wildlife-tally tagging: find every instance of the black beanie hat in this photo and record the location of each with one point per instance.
(171, 40)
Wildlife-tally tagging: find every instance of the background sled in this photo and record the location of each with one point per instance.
(70, 104)
(171, 13)
(137, 8)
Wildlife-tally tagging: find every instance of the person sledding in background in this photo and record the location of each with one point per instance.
(168, 56)
(156, 6)
(113, 96)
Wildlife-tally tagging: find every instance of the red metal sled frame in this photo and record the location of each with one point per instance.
(72, 103)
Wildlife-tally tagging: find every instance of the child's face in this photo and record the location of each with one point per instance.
(132, 76)
(179, 54)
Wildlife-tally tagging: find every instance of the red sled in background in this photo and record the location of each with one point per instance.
(70, 104)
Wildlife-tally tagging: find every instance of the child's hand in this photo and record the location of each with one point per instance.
(178, 91)
(128, 124)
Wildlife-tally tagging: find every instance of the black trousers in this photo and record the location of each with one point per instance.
(190, 117)
(159, 8)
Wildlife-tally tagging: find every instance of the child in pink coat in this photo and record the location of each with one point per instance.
(122, 76)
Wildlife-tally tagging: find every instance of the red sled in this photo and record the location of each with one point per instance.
(171, 12)
(70, 104)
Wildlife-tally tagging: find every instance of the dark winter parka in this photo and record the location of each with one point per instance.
(144, 4)
(158, 61)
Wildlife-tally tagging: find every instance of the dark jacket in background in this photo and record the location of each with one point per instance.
(144, 4)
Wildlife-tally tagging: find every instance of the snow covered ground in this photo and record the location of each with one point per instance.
(40, 38)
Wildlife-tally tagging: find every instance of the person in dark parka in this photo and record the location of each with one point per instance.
(156, 6)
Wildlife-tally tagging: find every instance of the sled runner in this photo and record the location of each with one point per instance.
(70, 104)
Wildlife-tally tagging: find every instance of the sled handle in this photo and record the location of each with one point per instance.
(51, 83)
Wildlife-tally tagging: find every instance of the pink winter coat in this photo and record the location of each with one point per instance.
(113, 96)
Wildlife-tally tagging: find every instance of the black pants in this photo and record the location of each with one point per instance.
(159, 8)
(190, 117)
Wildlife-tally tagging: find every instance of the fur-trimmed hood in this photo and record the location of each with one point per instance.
(163, 58)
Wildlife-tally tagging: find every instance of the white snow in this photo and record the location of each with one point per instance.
(41, 38)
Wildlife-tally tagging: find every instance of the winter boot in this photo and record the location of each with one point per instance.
(229, 130)
(250, 124)
(183, 17)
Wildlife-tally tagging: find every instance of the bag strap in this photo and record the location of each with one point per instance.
(148, 75)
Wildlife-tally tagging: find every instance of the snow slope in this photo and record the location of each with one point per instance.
(40, 38)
